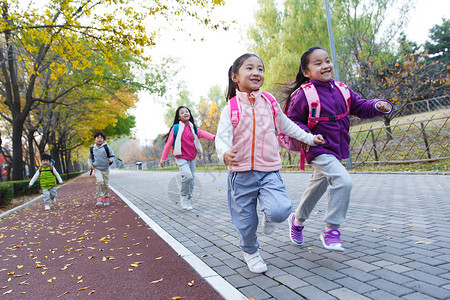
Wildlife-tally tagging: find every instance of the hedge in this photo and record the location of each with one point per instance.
(10, 189)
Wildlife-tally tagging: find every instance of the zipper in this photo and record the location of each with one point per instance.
(253, 140)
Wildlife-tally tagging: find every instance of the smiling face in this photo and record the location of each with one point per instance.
(319, 67)
(184, 115)
(250, 76)
(45, 162)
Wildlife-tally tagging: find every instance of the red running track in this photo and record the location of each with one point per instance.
(76, 250)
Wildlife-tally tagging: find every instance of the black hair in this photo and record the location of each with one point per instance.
(234, 69)
(46, 157)
(100, 133)
(176, 120)
(300, 78)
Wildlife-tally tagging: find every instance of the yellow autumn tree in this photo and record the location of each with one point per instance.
(70, 38)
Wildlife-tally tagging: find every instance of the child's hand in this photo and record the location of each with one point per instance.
(91, 167)
(318, 140)
(230, 157)
(29, 185)
(162, 163)
(383, 106)
(61, 183)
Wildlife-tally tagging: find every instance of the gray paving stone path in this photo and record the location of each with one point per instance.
(396, 235)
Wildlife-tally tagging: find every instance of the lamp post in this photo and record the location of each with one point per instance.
(334, 57)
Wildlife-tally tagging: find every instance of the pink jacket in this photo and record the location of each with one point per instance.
(188, 151)
(255, 137)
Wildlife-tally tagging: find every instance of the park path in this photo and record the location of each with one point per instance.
(396, 236)
(76, 250)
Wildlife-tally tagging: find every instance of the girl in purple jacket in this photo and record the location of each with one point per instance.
(317, 68)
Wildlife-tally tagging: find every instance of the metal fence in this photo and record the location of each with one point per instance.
(412, 108)
(427, 139)
(422, 140)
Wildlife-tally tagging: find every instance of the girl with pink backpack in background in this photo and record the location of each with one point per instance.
(246, 142)
(326, 115)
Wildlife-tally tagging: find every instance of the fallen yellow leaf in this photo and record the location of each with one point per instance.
(159, 257)
(91, 292)
(176, 298)
(191, 283)
(7, 292)
(156, 281)
(83, 288)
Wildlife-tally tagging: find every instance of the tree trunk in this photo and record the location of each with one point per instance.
(17, 163)
(31, 154)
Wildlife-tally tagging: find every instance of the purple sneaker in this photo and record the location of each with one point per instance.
(331, 240)
(295, 231)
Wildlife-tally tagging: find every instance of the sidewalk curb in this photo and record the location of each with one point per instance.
(224, 288)
(17, 208)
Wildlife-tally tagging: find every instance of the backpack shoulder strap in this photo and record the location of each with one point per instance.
(40, 168)
(108, 154)
(91, 150)
(275, 110)
(175, 130)
(234, 111)
(312, 97)
(273, 102)
(345, 94)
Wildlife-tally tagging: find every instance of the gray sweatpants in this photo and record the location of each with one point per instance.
(244, 189)
(328, 171)
(187, 170)
(49, 194)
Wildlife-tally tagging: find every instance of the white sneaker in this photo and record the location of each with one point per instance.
(268, 227)
(186, 204)
(189, 204)
(255, 262)
(47, 207)
(183, 204)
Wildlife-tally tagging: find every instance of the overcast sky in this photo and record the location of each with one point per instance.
(206, 63)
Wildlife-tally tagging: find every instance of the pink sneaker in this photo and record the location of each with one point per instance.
(99, 201)
(331, 240)
(106, 201)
